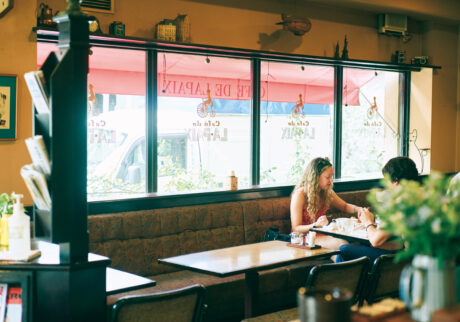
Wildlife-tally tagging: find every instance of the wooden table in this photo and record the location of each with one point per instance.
(119, 281)
(360, 236)
(247, 259)
(116, 281)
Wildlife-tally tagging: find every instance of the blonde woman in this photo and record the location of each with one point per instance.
(312, 197)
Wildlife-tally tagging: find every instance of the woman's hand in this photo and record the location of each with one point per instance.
(322, 221)
(366, 217)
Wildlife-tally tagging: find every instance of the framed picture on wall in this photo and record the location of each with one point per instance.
(8, 93)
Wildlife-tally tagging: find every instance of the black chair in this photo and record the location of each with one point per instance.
(383, 279)
(349, 275)
(182, 305)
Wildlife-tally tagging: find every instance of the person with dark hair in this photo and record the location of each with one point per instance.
(312, 197)
(398, 169)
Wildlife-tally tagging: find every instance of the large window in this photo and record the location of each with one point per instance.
(204, 106)
(296, 121)
(116, 123)
(370, 121)
(208, 120)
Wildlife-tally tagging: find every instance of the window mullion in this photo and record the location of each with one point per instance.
(404, 112)
(337, 138)
(151, 122)
(255, 122)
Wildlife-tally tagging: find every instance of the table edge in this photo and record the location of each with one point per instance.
(364, 241)
(241, 271)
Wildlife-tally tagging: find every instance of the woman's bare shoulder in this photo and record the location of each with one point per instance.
(299, 192)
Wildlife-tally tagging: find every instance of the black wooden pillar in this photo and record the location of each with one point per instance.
(68, 86)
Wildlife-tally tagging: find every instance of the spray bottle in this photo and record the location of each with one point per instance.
(19, 229)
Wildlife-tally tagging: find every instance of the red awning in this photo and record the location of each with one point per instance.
(117, 71)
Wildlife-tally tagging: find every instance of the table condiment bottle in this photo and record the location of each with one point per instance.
(232, 182)
(19, 229)
(4, 236)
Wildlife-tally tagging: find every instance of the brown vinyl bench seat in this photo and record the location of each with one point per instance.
(134, 241)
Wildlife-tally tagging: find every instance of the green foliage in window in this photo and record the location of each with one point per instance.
(192, 180)
(98, 186)
(302, 154)
(183, 180)
(266, 176)
(363, 146)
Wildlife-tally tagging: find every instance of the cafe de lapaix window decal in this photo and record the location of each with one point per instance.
(206, 106)
(207, 127)
(297, 124)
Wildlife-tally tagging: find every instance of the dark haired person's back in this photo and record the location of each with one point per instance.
(399, 168)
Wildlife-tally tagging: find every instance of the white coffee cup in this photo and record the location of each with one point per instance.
(311, 239)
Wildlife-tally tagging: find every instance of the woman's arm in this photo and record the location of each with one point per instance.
(343, 206)
(297, 206)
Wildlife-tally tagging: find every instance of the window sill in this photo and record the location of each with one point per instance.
(156, 200)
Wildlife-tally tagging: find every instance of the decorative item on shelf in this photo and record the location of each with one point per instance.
(94, 25)
(166, 30)
(298, 26)
(399, 57)
(426, 218)
(117, 28)
(345, 48)
(419, 60)
(337, 51)
(45, 18)
(182, 28)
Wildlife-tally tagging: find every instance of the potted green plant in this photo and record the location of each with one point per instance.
(427, 218)
(6, 204)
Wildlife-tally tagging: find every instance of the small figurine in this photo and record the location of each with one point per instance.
(299, 26)
(337, 51)
(345, 48)
(45, 19)
(399, 56)
(182, 28)
(117, 28)
(166, 30)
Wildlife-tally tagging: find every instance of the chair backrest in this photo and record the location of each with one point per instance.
(348, 275)
(383, 278)
(182, 305)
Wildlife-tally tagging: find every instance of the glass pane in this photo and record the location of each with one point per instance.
(370, 121)
(296, 119)
(116, 123)
(203, 122)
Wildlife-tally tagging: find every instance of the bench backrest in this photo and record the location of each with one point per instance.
(135, 240)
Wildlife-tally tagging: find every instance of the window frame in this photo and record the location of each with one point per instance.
(153, 200)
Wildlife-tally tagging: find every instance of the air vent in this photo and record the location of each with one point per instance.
(392, 24)
(98, 5)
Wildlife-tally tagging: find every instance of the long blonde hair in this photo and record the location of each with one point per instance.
(314, 196)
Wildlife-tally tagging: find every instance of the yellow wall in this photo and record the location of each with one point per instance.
(440, 43)
(17, 56)
(457, 164)
(251, 25)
